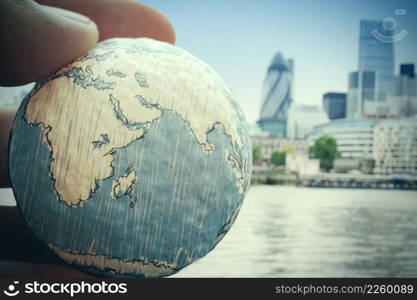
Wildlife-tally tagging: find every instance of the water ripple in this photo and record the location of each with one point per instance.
(285, 231)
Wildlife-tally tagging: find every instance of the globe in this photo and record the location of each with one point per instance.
(133, 160)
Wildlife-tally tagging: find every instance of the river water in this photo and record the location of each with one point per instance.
(286, 231)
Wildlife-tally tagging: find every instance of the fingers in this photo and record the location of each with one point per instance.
(36, 40)
(18, 243)
(121, 18)
(22, 255)
(7, 114)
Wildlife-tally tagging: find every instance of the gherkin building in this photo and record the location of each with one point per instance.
(277, 96)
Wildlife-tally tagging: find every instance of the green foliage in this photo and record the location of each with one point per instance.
(278, 158)
(325, 149)
(256, 153)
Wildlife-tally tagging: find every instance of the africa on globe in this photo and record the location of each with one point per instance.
(133, 160)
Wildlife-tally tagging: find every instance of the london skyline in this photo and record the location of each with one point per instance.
(240, 38)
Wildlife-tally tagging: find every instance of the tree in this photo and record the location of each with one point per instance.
(325, 149)
(278, 158)
(256, 153)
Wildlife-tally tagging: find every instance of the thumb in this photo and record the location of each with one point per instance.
(37, 40)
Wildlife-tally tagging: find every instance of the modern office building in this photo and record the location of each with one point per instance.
(402, 104)
(353, 137)
(376, 53)
(374, 80)
(363, 102)
(277, 96)
(407, 70)
(390, 143)
(335, 105)
(392, 107)
(406, 81)
(362, 86)
(303, 118)
(407, 90)
(395, 146)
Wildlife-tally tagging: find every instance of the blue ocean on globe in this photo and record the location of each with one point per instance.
(172, 215)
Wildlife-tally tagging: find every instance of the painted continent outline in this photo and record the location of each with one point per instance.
(85, 102)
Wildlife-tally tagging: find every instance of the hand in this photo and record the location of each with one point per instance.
(38, 38)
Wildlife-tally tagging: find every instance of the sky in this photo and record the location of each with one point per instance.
(239, 38)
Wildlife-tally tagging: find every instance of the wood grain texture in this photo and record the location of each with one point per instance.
(137, 159)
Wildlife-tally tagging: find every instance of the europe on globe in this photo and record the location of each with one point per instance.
(133, 160)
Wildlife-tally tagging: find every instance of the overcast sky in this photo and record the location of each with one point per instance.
(238, 38)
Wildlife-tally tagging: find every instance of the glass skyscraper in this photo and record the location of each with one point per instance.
(277, 96)
(407, 89)
(406, 82)
(376, 53)
(374, 81)
(407, 70)
(335, 105)
(362, 87)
